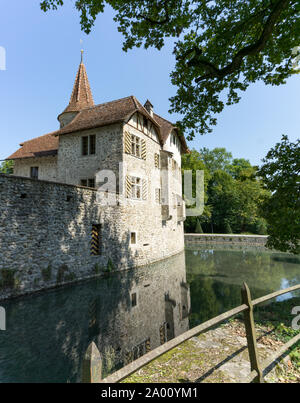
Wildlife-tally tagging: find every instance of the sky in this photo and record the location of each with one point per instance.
(42, 58)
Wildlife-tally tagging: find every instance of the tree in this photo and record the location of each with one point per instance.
(216, 159)
(221, 47)
(7, 167)
(198, 229)
(281, 174)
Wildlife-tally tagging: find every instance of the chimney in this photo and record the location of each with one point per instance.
(149, 107)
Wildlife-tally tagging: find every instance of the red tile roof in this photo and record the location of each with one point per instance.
(105, 114)
(81, 97)
(39, 147)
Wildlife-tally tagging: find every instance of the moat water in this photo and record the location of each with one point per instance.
(127, 314)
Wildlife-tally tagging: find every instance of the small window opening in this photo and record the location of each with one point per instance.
(133, 299)
(133, 238)
(34, 172)
(93, 144)
(85, 145)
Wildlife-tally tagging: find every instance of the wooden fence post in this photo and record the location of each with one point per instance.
(251, 334)
(92, 365)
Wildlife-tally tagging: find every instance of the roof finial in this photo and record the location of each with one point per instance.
(82, 51)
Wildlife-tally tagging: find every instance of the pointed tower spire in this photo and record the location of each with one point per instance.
(81, 95)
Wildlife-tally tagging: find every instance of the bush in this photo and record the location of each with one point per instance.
(261, 227)
(228, 229)
(198, 228)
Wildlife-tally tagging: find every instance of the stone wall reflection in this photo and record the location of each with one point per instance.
(126, 314)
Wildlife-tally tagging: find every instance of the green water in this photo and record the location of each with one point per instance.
(48, 333)
(216, 273)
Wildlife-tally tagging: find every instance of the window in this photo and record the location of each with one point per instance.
(92, 144)
(158, 196)
(88, 145)
(91, 183)
(133, 299)
(88, 182)
(85, 145)
(34, 172)
(136, 188)
(133, 238)
(96, 240)
(136, 146)
(157, 160)
(145, 124)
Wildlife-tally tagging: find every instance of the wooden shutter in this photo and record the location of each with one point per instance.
(144, 189)
(127, 143)
(95, 244)
(128, 187)
(144, 150)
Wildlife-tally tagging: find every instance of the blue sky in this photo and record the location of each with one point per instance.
(42, 57)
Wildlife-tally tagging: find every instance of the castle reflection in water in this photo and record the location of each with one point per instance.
(126, 314)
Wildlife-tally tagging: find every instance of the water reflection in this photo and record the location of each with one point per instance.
(129, 313)
(217, 272)
(126, 315)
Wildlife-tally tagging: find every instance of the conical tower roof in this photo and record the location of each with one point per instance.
(81, 97)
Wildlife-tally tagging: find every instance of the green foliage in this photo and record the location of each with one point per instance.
(7, 278)
(261, 227)
(60, 276)
(221, 46)
(7, 167)
(198, 228)
(110, 266)
(228, 229)
(281, 174)
(233, 193)
(47, 273)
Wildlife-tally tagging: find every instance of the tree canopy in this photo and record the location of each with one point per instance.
(281, 175)
(233, 193)
(221, 46)
(7, 167)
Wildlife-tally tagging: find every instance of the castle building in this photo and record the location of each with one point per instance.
(142, 150)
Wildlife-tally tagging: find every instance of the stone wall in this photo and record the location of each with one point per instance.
(45, 235)
(47, 167)
(200, 239)
(99, 311)
(73, 166)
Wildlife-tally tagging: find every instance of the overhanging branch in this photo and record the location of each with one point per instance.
(214, 72)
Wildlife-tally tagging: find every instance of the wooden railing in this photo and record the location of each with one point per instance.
(92, 364)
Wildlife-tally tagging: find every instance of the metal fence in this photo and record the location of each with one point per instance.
(92, 364)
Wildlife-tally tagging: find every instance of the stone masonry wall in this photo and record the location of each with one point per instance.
(233, 239)
(73, 166)
(45, 235)
(47, 167)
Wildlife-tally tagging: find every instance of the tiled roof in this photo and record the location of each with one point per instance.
(81, 97)
(165, 128)
(105, 114)
(97, 116)
(39, 147)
